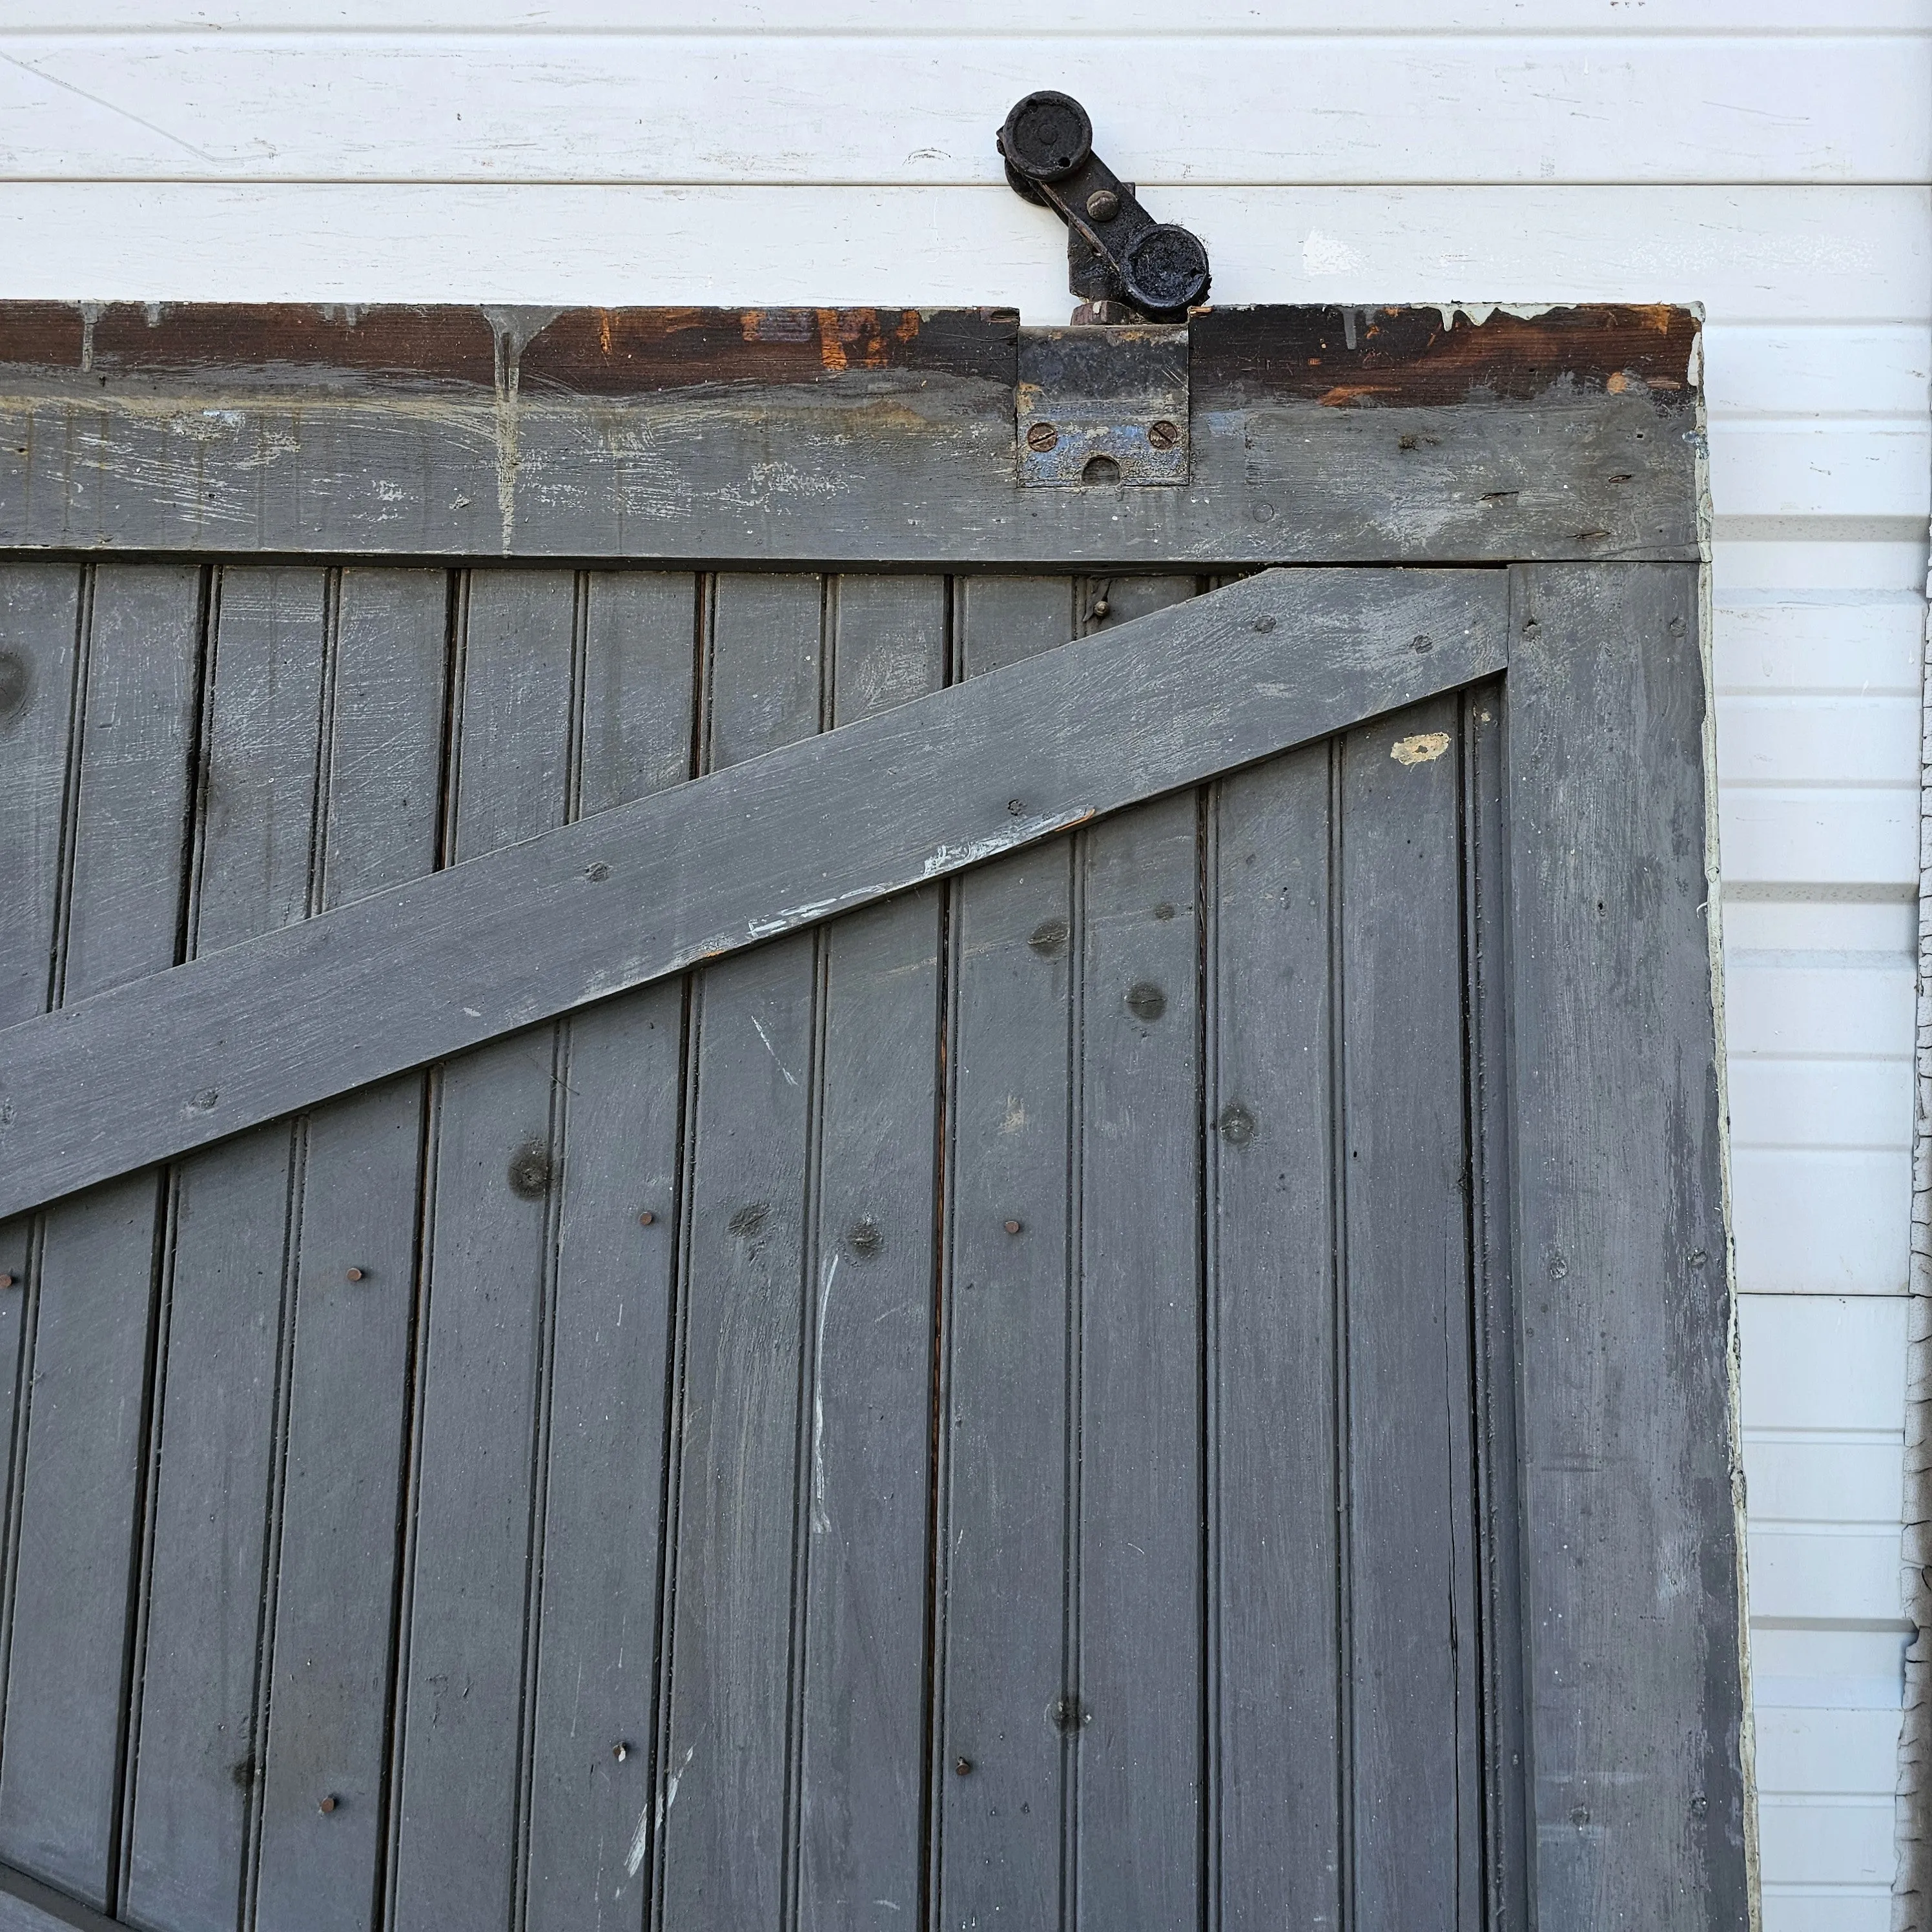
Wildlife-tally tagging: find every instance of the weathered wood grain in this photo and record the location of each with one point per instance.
(408, 975)
(484, 1326)
(27, 1906)
(1276, 1610)
(1631, 1590)
(1135, 1621)
(867, 1455)
(725, 1772)
(590, 1800)
(226, 1289)
(855, 436)
(40, 610)
(330, 1641)
(1001, 1662)
(82, 1432)
(1407, 1508)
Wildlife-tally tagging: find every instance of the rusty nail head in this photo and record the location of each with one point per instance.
(1103, 204)
(1163, 435)
(963, 1765)
(1013, 1227)
(329, 1803)
(1042, 436)
(355, 1274)
(6, 1281)
(1101, 606)
(621, 1749)
(645, 1219)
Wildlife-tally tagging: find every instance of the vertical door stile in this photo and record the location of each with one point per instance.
(1001, 1668)
(1275, 1605)
(40, 634)
(590, 1801)
(486, 1304)
(1133, 1709)
(725, 1777)
(866, 1467)
(81, 1482)
(327, 1663)
(219, 1379)
(1405, 1231)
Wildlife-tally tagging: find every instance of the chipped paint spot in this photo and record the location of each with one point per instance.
(1015, 1119)
(1327, 255)
(1422, 749)
(952, 858)
(791, 1078)
(820, 1522)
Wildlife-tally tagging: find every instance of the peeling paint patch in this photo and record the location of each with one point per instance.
(1422, 749)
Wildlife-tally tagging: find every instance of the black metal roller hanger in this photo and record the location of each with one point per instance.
(1116, 252)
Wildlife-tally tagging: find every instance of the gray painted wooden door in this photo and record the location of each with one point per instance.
(1027, 1402)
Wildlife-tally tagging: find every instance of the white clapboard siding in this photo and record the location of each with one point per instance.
(1523, 20)
(1768, 159)
(769, 107)
(1824, 1417)
(1756, 254)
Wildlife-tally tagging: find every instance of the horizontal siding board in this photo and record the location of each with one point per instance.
(1843, 1839)
(1822, 1362)
(1836, 469)
(1818, 1481)
(1784, 645)
(1839, 1752)
(1867, 837)
(1858, 1008)
(1844, 369)
(1821, 1103)
(1819, 1221)
(643, 106)
(1747, 253)
(1838, 1574)
(1842, 740)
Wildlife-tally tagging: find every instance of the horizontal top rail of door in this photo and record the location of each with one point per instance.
(422, 971)
(1391, 435)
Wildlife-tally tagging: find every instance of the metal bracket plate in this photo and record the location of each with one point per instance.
(1103, 405)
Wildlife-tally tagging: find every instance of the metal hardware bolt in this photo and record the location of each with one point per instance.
(645, 1219)
(6, 1281)
(1163, 435)
(355, 1274)
(1013, 1227)
(1042, 436)
(1101, 606)
(963, 1766)
(1103, 204)
(328, 1804)
(621, 1749)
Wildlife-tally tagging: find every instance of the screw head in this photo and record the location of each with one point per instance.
(1163, 435)
(1013, 1227)
(645, 1219)
(1042, 436)
(328, 1804)
(963, 1766)
(1103, 204)
(1101, 606)
(355, 1274)
(6, 1281)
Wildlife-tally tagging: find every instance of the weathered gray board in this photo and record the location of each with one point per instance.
(858, 436)
(631, 1471)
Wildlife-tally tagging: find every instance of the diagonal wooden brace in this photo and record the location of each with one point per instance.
(421, 971)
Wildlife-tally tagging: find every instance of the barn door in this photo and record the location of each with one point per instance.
(848, 1188)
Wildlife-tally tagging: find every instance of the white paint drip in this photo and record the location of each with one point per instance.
(791, 1078)
(515, 330)
(820, 1522)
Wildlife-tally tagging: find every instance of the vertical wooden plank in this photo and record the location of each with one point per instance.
(39, 611)
(862, 1761)
(1275, 1835)
(1505, 1850)
(1136, 1623)
(331, 1643)
(1621, 1258)
(725, 1755)
(485, 1317)
(1409, 1509)
(603, 1519)
(1002, 1664)
(86, 1415)
(217, 1374)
